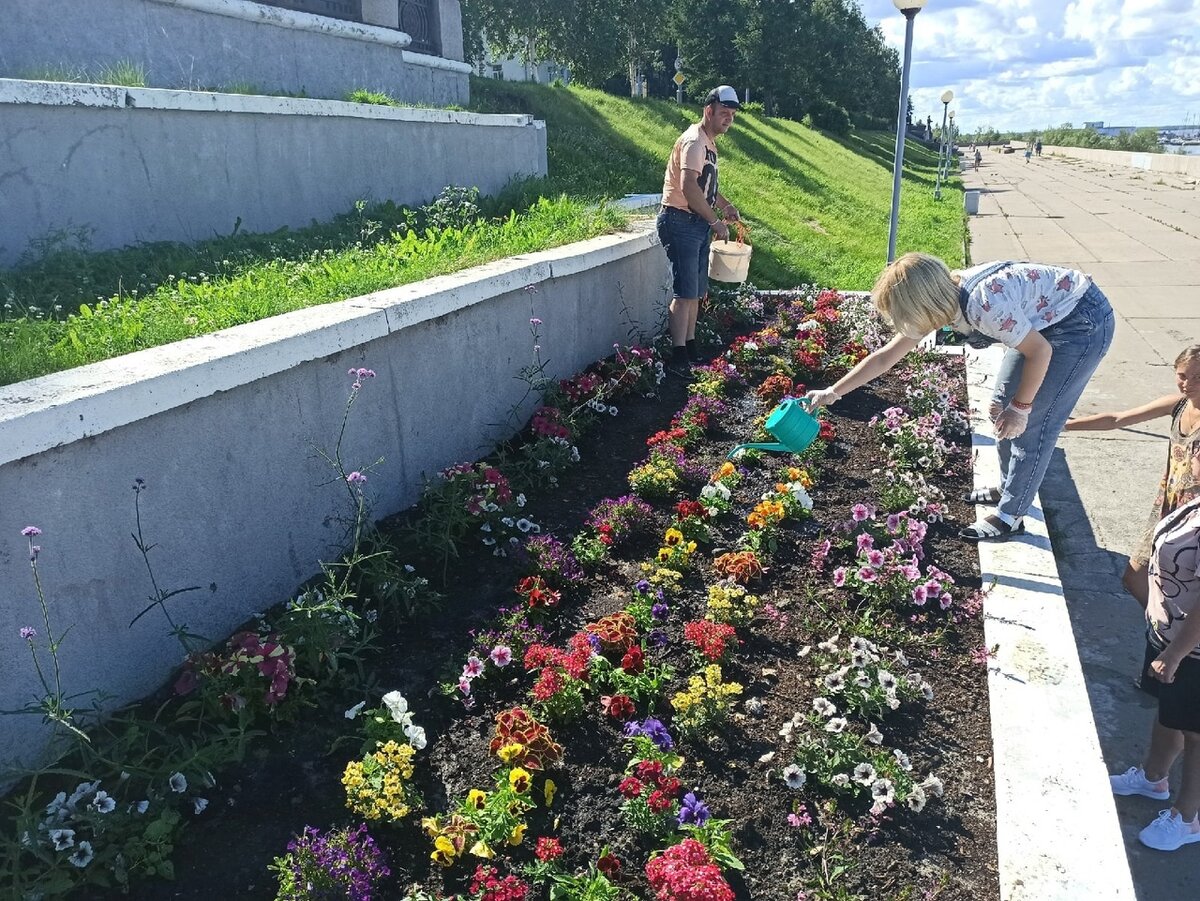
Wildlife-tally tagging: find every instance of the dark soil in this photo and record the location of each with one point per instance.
(948, 851)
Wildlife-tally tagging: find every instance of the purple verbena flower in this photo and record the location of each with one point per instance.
(28, 633)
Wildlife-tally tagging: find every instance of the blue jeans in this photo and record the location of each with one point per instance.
(1079, 342)
(685, 237)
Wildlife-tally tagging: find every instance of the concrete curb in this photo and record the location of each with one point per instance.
(1057, 834)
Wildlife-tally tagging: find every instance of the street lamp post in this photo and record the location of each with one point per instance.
(947, 96)
(950, 145)
(909, 8)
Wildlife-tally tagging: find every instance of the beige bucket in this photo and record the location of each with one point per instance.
(729, 261)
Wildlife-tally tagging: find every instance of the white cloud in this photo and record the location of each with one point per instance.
(1026, 65)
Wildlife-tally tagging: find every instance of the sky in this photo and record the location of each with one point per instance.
(1028, 64)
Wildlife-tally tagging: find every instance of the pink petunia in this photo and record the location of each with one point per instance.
(473, 668)
(867, 574)
(839, 577)
(860, 512)
(501, 655)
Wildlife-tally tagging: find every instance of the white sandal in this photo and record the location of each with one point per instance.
(983, 496)
(991, 528)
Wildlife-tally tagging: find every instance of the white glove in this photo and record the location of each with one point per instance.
(821, 397)
(1011, 423)
(994, 410)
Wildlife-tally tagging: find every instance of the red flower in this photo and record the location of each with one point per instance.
(709, 638)
(633, 661)
(619, 707)
(650, 770)
(826, 433)
(608, 864)
(548, 849)
(659, 801)
(669, 785)
(630, 787)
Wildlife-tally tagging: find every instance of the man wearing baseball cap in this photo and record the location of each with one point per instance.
(688, 218)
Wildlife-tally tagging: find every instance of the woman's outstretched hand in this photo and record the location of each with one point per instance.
(821, 397)
(1011, 423)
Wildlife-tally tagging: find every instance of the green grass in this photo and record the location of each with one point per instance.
(234, 294)
(818, 207)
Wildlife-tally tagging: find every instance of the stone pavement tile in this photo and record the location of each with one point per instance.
(1137, 274)
(1168, 336)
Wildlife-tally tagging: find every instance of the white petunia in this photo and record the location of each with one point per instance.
(902, 759)
(142, 806)
(178, 783)
(865, 774)
(836, 725)
(416, 737)
(824, 706)
(933, 785)
(198, 805)
(83, 855)
(916, 799)
(840, 780)
(794, 776)
(354, 711)
(835, 681)
(883, 790)
(103, 803)
(397, 706)
(875, 737)
(62, 838)
(887, 681)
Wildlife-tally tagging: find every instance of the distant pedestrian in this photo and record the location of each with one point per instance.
(688, 219)
(1057, 325)
(1037, 148)
(1173, 669)
(1028, 153)
(978, 158)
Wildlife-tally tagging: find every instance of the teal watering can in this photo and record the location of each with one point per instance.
(792, 424)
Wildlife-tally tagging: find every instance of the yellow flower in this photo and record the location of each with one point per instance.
(548, 791)
(510, 752)
(673, 537)
(443, 852)
(476, 798)
(664, 554)
(690, 547)
(519, 779)
(482, 849)
(518, 834)
(430, 825)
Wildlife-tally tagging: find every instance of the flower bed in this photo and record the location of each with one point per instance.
(757, 678)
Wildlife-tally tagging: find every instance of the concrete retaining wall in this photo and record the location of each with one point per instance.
(143, 164)
(1153, 162)
(213, 44)
(223, 428)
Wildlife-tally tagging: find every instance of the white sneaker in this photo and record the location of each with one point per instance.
(1134, 782)
(1169, 832)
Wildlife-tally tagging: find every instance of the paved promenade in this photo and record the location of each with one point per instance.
(1138, 234)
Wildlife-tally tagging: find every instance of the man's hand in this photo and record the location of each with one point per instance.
(732, 214)
(721, 230)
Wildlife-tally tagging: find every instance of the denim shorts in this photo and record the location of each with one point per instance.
(685, 237)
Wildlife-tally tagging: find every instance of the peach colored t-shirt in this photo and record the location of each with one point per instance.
(693, 156)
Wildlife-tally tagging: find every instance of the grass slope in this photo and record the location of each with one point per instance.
(818, 205)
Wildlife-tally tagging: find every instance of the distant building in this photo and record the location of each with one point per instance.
(1097, 125)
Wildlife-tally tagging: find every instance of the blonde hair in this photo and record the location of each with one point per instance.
(1188, 355)
(916, 294)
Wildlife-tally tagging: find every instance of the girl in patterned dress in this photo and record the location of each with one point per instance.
(1178, 485)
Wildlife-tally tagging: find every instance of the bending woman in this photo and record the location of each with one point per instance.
(1057, 326)
(1178, 485)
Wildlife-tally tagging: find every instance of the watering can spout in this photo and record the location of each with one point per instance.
(791, 424)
